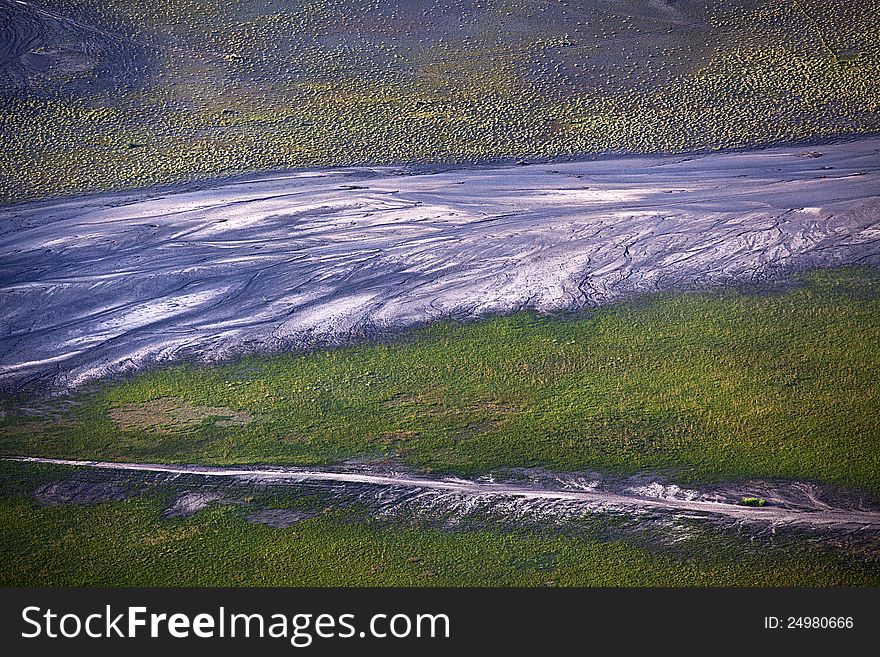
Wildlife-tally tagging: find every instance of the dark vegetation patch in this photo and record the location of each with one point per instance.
(77, 491)
(277, 518)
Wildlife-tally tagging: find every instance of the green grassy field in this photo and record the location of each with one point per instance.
(128, 543)
(703, 386)
(261, 84)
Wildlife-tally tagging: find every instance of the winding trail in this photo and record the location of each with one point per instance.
(97, 285)
(822, 516)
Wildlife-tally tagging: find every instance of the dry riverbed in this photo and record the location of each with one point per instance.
(97, 285)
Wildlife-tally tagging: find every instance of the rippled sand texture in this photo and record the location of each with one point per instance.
(109, 283)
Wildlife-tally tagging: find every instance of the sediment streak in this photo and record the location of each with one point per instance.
(820, 516)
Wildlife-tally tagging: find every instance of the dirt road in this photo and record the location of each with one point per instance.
(808, 512)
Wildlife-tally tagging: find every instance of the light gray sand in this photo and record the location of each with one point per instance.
(91, 286)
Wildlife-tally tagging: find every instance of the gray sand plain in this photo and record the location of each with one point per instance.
(99, 285)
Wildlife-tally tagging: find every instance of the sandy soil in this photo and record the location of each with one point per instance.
(789, 505)
(170, 414)
(190, 503)
(91, 286)
(42, 51)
